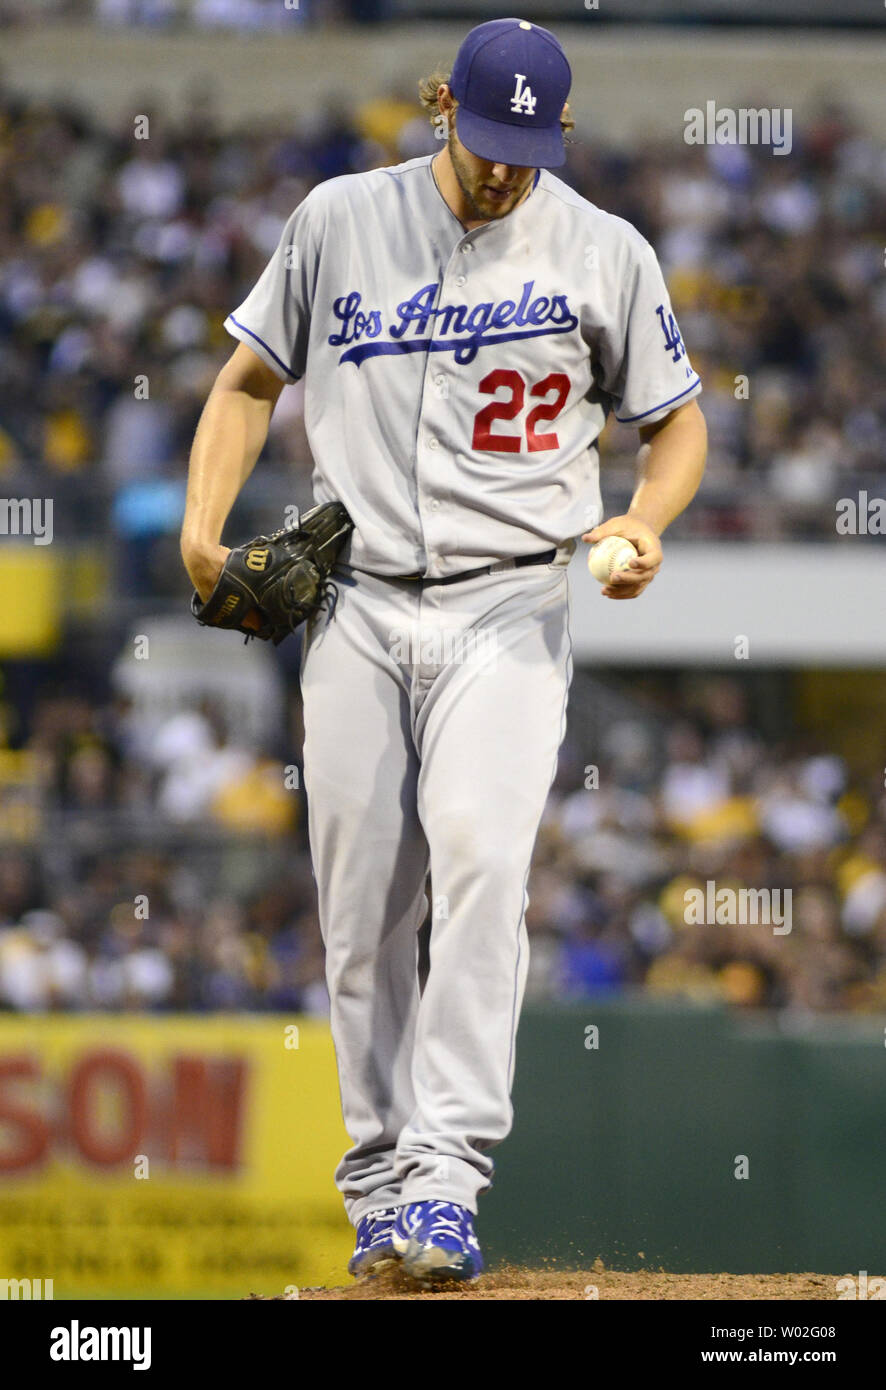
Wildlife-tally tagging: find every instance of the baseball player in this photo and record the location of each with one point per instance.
(464, 323)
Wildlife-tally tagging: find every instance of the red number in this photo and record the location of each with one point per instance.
(488, 443)
(560, 383)
(484, 439)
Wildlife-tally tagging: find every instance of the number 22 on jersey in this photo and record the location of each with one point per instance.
(555, 385)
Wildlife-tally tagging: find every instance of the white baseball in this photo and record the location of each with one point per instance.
(614, 553)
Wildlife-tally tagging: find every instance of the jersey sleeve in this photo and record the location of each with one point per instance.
(648, 373)
(275, 317)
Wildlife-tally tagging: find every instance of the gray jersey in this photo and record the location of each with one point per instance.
(456, 382)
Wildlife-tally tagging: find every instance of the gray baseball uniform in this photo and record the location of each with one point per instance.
(455, 384)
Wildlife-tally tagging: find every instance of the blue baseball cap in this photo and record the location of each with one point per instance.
(511, 80)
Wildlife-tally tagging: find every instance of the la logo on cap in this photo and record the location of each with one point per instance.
(523, 100)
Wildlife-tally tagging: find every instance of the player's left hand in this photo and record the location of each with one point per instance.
(630, 582)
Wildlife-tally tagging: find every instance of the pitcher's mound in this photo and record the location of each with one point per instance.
(516, 1283)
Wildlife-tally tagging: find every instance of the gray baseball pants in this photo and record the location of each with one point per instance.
(433, 716)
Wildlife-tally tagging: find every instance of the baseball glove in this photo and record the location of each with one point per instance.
(278, 581)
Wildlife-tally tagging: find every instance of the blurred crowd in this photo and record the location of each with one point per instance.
(120, 258)
(630, 841)
(239, 16)
(152, 863)
(163, 865)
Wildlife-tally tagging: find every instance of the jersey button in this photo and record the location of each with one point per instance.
(468, 246)
(433, 443)
(434, 505)
(462, 280)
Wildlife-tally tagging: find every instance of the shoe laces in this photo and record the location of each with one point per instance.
(385, 1216)
(443, 1219)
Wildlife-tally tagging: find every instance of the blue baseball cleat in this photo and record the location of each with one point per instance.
(436, 1240)
(374, 1250)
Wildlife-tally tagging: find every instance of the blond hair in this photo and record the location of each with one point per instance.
(430, 85)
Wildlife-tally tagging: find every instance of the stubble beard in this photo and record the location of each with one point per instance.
(480, 213)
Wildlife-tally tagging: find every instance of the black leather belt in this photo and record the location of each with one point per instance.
(545, 557)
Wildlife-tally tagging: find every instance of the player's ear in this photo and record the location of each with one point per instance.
(445, 99)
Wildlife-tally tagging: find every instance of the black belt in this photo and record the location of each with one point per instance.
(545, 557)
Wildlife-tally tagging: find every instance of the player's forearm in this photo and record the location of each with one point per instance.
(229, 439)
(671, 464)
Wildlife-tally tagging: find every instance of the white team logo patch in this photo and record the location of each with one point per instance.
(523, 100)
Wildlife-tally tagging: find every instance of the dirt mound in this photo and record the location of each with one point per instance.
(512, 1283)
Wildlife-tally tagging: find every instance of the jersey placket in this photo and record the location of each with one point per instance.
(437, 417)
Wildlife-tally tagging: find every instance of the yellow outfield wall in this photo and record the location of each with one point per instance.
(170, 1157)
